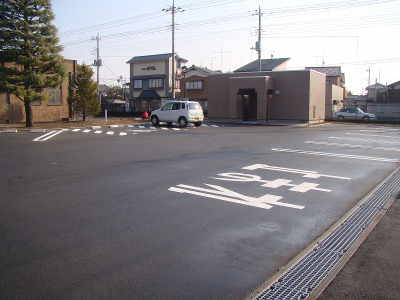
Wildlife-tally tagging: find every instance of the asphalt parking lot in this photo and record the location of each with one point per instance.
(164, 212)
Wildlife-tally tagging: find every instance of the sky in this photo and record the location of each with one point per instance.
(358, 35)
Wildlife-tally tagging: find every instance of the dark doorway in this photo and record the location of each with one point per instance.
(249, 104)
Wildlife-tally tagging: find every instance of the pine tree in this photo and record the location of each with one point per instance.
(85, 100)
(29, 54)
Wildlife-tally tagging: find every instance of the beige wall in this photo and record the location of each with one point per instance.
(15, 111)
(317, 96)
(333, 92)
(301, 94)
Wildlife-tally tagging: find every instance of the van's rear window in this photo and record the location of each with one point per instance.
(194, 106)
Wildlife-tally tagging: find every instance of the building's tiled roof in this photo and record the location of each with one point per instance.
(266, 65)
(378, 86)
(154, 57)
(394, 84)
(328, 71)
(205, 70)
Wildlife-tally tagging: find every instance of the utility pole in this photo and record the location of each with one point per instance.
(173, 11)
(369, 79)
(258, 44)
(97, 63)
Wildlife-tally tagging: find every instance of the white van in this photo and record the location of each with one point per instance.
(182, 112)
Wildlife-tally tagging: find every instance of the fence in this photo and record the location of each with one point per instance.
(387, 112)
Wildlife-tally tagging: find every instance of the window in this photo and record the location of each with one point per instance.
(328, 82)
(137, 84)
(167, 106)
(194, 85)
(55, 96)
(176, 106)
(194, 106)
(155, 83)
(6, 98)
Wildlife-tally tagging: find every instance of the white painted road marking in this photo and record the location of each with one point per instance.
(49, 135)
(366, 140)
(76, 130)
(122, 133)
(302, 188)
(307, 174)
(110, 132)
(266, 202)
(378, 135)
(352, 146)
(335, 155)
(98, 131)
(86, 130)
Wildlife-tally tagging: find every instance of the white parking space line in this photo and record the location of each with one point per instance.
(76, 130)
(110, 132)
(366, 140)
(378, 135)
(351, 145)
(163, 128)
(122, 133)
(336, 155)
(98, 131)
(86, 131)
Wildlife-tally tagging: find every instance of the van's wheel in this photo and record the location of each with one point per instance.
(197, 124)
(365, 118)
(340, 118)
(182, 122)
(154, 120)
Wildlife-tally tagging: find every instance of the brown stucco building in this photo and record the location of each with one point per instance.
(335, 91)
(195, 84)
(54, 109)
(262, 96)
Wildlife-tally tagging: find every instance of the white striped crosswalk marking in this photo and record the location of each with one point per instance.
(335, 155)
(352, 146)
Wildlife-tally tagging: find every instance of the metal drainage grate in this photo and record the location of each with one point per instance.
(305, 276)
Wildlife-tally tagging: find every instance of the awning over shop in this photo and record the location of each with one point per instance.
(149, 94)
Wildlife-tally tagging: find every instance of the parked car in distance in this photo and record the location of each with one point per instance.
(353, 114)
(181, 112)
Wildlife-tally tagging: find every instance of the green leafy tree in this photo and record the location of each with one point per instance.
(113, 93)
(29, 54)
(85, 98)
